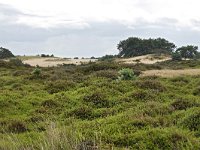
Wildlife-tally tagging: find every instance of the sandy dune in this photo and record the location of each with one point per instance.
(171, 73)
(146, 59)
(49, 62)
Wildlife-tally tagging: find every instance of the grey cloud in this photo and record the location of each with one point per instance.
(98, 39)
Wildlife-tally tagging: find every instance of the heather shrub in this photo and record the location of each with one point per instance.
(151, 84)
(196, 91)
(192, 120)
(98, 99)
(58, 86)
(183, 104)
(17, 126)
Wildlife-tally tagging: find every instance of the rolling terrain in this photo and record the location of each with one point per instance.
(87, 107)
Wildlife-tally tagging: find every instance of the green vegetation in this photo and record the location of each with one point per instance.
(87, 107)
(126, 74)
(5, 53)
(189, 51)
(134, 46)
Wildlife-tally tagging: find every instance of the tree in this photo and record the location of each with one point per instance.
(176, 56)
(188, 51)
(5, 53)
(134, 46)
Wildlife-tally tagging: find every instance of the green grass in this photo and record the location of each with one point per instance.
(74, 107)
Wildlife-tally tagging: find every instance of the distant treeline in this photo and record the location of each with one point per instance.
(134, 46)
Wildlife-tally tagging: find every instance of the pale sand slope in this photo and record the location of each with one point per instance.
(145, 59)
(49, 62)
(171, 73)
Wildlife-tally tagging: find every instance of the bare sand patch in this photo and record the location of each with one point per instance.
(171, 73)
(145, 59)
(49, 62)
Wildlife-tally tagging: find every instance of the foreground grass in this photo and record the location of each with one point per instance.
(86, 107)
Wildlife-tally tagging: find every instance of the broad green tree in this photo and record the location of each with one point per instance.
(188, 51)
(134, 46)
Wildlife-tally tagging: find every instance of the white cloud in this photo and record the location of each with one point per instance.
(56, 12)
(94, 27)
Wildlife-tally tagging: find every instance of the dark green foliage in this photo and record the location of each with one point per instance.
(16, 62)
(176, 56)
(47, 55)
(192, 121)
(188, 51)
(108, 57)
(5, 53)
(180, 64)
(197, 91)
(134, 46)
(17, 126)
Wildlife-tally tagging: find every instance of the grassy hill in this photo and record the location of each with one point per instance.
(87, 107)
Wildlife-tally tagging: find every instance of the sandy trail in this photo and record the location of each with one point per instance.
(49, 62)
(171, 73)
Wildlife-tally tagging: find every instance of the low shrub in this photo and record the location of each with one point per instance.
(17, 126)
(180, 79)
(83, 112)
(16, 62)
(162, 139)
(151, 84)
(49, 103)
(182, 104)
(196, 91)
(98, 99)
(192, 121)
(126, 74)
(37, 72)
(58, 86)
(112, 74)
(142, 95)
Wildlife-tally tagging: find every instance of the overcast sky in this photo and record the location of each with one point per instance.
(87, 28)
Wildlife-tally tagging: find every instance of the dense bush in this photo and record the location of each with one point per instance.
(126, 74)
(16, 62)
(176, 57)
(5, 53)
